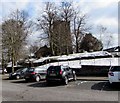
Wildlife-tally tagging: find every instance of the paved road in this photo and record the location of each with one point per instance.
(80, 90)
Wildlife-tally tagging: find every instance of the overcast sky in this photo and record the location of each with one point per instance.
(104, 12)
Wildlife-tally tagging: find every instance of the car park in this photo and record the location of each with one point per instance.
(18, 74)
(114, 74)
(35, 74)
(60, 73)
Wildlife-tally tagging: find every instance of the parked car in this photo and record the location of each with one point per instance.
(114, 74)
(60, 73)
(35, 74)
(18, 74)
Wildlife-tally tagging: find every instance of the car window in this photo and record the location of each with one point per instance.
(67, 69)
(24, 69)
(30, 70)
(18, 70)
(55, 68)
(36, 70)
(41, 71)
(117, 68)
(64, 69)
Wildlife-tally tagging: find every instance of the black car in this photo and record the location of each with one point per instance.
(35, 74)
(20, 73)
(60, 73)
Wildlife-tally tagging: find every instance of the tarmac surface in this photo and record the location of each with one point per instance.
(84, 89)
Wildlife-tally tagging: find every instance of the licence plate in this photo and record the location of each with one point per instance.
(52, 74)
(26, 77)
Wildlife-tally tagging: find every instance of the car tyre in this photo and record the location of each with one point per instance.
(74, 77)
(17, 77)
(48, 82)
(112, 84)
(37, 79)
(27, 80)
(66, 80)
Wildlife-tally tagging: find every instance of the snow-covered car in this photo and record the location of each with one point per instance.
(114, 74)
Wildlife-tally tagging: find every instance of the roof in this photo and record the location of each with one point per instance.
(117, 48)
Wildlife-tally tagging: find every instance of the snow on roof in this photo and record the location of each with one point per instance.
(101, 62)
(10, 65)
(31, 54)
(79, 63)
(39, 60)
(45, 58)
(30, 60)
(98, 53)
(64, 57)
(71, 64)
(73, 56)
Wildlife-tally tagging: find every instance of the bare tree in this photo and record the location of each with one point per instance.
(105, 36)
(102, 31)
(2, 60)
(14, 33)
(0, 43)
(79, 30)
(66, 14)
(109, 40)
(46, 23)
(33, 48)
(56, 24)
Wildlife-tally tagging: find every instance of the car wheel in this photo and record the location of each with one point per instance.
(112, 84)
(27, 80)
(37, 79)
(47, 82)
(17, 77)
(66, 80)
(74, 77)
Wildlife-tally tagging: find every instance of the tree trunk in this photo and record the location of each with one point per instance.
(12, 60)
(77, 50)
(3, 64)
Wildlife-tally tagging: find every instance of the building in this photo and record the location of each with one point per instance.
(115, 51)
(43, 52)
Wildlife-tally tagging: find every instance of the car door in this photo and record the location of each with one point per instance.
(119, 75)
(69, 72)
(23, 72)
(116, 71)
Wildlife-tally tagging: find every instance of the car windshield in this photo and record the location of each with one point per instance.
(18, 70)
(24, 69)
(116, 68)
(54, 68)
